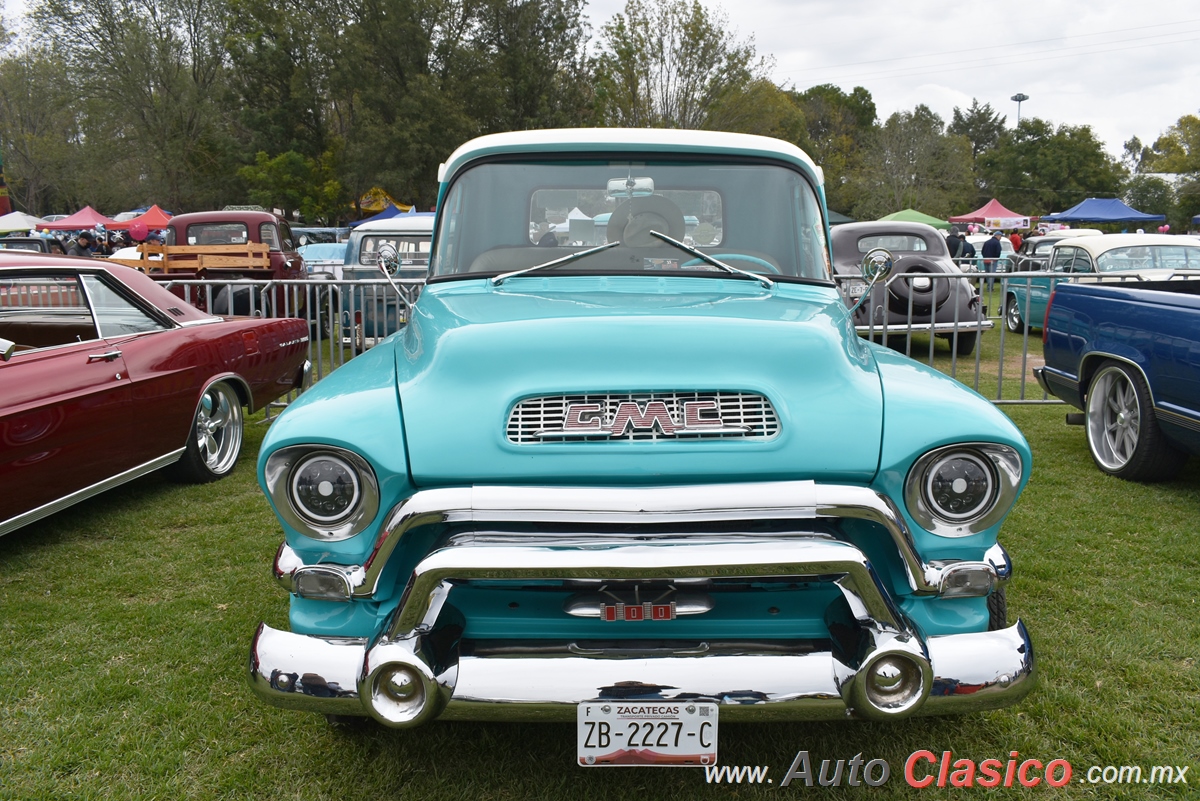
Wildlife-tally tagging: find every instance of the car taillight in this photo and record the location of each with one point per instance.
(1046, 319)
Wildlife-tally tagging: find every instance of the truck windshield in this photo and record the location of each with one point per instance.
(505, 216)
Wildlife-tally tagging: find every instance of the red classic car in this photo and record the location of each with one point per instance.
(106, 376)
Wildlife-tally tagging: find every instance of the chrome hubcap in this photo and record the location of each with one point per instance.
(1114, 419)
(219, 428)
(1014, 316)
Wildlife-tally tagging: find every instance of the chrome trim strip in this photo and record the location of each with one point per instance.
(971, 673)
(783, 500)
(1095, 355)
(939, 328)
(24, 519)
(1177, 418)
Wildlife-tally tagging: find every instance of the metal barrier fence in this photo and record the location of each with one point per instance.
(345, 317)
(348, 317)
(999, 366)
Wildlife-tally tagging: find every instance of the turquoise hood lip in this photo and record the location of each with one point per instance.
(472, 351)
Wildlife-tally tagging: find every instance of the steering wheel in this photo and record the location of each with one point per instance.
(755, 260)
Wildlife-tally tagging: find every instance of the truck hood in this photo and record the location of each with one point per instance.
(472, 351)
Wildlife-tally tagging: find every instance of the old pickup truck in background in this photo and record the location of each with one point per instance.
(1126, 355)
(226, 246)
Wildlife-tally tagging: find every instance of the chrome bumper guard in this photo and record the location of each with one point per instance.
(893, 672)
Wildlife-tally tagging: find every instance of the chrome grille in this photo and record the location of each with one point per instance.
(535, 419)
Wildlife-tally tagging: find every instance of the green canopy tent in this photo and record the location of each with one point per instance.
(838, 219)
(912, 215)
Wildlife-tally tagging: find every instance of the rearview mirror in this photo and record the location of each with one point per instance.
(630, 187)
(389, 259)
(876, 266)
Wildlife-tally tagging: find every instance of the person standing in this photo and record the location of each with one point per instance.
(1016, 240)
(82, 246)
(991, 252)
(954, 244)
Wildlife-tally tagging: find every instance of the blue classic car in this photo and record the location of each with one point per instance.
(655, 479)
(1114, 257)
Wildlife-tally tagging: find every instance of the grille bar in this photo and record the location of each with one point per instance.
(742, 415)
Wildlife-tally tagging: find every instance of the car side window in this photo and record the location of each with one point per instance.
(115, 315)
(45, 311)
(269, 235)
(1083, 263)
(1061, 261)
(288, 238)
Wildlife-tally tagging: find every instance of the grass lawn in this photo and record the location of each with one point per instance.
(125, 623)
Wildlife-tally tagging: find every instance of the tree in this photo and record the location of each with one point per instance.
(1135, 155)
(279, 67)
(533, 65)
(293, 183)
(153, 74)
(837, 125)
(1150, 194)
(759, 108)
(1037, 168)
(982, 126)
(37, 123)
(912, 163)
(1178, 148)
(668, 63)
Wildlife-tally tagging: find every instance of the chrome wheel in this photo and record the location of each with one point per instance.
(218, 430)
(1012, 316)
(1114, 419)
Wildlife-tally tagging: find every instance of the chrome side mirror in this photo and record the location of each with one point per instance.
(6, 349)
(389, 260)
(876, 266)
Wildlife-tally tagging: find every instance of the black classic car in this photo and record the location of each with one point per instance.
(34, 244)
(926, 291)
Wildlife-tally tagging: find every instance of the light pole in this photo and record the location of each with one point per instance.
(1019, 97)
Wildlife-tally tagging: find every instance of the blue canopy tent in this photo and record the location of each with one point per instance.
(1102, 210)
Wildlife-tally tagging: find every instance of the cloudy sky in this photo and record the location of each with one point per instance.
(1125, 68)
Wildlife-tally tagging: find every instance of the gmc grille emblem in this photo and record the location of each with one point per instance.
(589, 420)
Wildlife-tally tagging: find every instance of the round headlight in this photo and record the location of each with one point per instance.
(960, 490)
(960, 486)
(325, 488)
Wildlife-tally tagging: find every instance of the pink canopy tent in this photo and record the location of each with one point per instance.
(992, 210)
(87, 217)
(153, 218)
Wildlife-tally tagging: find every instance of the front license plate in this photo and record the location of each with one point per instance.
(655, 733)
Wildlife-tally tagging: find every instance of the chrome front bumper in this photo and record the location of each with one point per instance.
(969, 673)
(404, 678)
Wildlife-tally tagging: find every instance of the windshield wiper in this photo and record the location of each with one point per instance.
(766, 282)
(570, 257)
